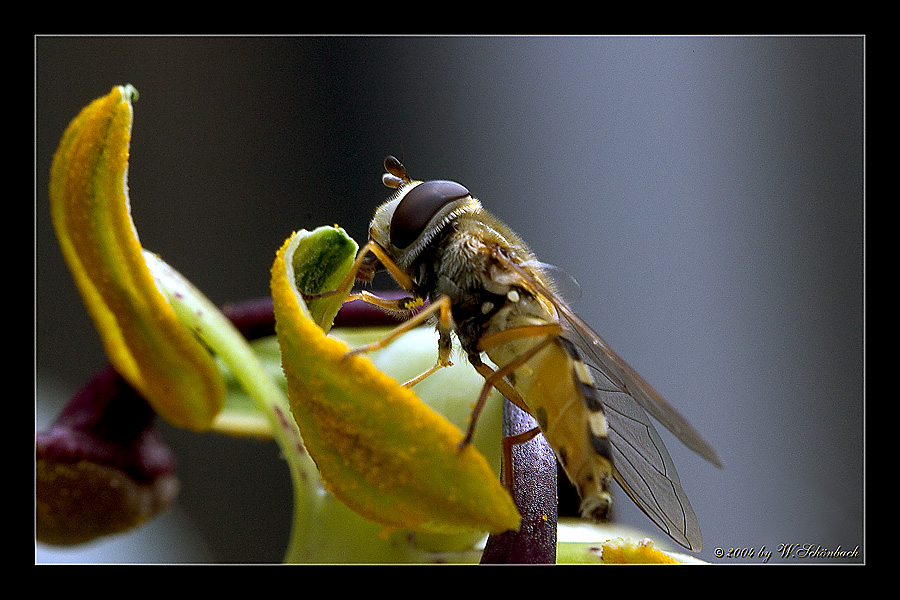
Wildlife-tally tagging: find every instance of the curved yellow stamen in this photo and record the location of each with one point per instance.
(141, 333)
(379, 449)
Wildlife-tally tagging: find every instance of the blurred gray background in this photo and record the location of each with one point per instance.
(706, 192)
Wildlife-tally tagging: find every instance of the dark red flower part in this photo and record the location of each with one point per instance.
(101, 468)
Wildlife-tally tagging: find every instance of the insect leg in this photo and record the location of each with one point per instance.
(444, 348)
(491, 380)
(371, 247)
(397, 306)
(502, 385)
(441, 306)
(494, 379)
(499, 338)
(507, 443)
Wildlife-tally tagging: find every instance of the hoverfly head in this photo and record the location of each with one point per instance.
(405, 224)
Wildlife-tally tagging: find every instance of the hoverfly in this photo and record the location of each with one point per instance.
(486, 286)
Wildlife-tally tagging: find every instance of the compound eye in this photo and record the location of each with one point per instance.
(419, 206)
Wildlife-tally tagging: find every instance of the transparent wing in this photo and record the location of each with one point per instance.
(604, 360)
(642, 464)
(644, 468)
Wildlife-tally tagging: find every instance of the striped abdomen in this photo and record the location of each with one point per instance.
(559, 392)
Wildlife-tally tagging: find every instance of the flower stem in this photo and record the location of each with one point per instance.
(534, 492)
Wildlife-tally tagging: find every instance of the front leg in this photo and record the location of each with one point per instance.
(441, 306)
(399, 307)
(402, 279)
